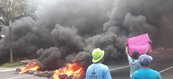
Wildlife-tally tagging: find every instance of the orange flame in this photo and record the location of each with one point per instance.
(74, 70)
(29, 66)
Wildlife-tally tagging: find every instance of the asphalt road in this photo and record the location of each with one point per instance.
(168, 74)
(162, 61)
(12, 75)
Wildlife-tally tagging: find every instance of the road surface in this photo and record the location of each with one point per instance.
(162, 62)
(11, 75)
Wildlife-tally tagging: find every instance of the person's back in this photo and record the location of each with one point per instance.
(98, 71)
(133, 62)
(134, 66)
(146, 73)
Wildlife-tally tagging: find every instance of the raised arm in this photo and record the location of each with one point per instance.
(126, 50)
(127, 54)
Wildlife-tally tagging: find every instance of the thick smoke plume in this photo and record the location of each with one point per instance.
(133, 17)
(67, 31)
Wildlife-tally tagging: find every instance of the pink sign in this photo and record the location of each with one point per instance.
(139, 43)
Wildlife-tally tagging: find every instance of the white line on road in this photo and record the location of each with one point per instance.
(113, 69)
(20, 77)
(7, 70)
(119, 68)
(166, 69)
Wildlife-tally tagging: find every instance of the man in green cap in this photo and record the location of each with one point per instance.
(97, 70)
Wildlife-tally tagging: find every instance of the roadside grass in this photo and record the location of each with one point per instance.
(14, 64)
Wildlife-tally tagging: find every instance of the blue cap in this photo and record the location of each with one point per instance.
(145, 59)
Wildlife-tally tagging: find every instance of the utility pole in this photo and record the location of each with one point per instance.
(10, 42)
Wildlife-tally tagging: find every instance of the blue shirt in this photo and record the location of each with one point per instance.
(134, 65)
(98, 71)
(146, 73)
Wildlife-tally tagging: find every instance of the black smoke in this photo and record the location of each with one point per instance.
(67, 31)
(133, 17)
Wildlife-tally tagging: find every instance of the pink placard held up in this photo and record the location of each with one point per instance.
(140, 43)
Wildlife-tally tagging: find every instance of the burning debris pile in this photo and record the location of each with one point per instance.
(70, 71)
(32, 66)
(52, 60)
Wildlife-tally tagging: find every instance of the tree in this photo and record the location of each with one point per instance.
(9, 9)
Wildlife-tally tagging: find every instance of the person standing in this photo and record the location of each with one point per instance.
(145, 72)
(133, 61)
(97, 70)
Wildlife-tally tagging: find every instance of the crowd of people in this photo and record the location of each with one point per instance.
(139, 66)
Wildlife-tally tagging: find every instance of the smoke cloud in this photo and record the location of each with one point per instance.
(67, 38)
(67, 31)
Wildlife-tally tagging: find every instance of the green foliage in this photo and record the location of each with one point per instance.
(14, 64)
(2, 23)
(9, 9)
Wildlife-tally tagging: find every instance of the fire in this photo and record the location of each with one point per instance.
(29, 66)
(74, 70)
